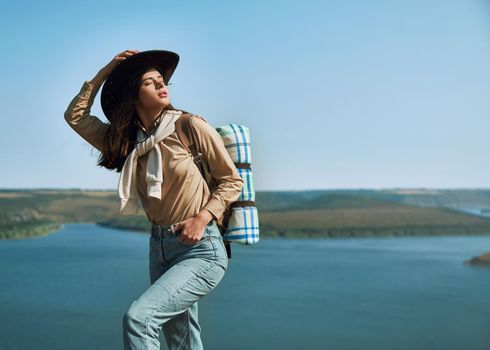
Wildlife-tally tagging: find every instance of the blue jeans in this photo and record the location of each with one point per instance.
(180, 275)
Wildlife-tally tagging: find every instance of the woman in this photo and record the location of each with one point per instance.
(187, 255)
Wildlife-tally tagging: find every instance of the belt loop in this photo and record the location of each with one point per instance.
(158, 231)
(155, 230)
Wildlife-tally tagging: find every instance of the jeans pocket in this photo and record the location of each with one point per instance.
(176, 249)
(204, 238)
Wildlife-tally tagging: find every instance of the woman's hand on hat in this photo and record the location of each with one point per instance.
(107, 69)
(118, 58)
(123, 55)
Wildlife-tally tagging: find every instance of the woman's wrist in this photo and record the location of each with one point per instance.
(99, 78)
(204, 216)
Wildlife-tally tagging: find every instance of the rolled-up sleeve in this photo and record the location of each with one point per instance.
(77, 115)
(221, 167)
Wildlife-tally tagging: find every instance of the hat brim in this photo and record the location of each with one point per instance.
(114, 85)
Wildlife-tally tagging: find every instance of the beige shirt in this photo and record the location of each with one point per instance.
(184, 191)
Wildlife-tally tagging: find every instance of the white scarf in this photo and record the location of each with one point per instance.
(154, 174)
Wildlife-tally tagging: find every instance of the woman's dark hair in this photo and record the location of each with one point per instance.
(120, 136)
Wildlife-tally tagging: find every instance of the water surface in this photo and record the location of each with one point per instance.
(69, 290)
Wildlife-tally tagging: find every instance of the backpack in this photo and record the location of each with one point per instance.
(239, 222)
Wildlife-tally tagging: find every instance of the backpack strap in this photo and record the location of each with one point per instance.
(188, 139)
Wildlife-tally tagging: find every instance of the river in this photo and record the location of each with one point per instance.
(70, 289)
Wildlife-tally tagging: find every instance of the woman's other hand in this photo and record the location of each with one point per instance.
(192, 229)
(107, 69)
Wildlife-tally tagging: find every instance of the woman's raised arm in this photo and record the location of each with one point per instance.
(77, 115)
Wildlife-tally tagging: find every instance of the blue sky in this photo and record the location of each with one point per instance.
(337, 94)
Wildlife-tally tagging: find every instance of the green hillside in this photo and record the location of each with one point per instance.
(333, 213)
(32, 213)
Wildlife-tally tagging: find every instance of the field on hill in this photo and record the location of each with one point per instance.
(340, 213)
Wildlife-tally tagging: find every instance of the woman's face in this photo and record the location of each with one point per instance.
(152, 92)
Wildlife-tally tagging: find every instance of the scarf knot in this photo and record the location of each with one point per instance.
(154, 174)
(145, 146)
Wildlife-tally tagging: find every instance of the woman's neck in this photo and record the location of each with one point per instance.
(148, 118)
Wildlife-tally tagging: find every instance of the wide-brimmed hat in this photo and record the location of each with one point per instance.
(112, 91)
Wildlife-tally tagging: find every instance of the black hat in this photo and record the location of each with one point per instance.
(165, 61)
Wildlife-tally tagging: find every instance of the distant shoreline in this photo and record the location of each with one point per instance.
(44, 230)
(318, 214)
(32, 231)
(480, 260)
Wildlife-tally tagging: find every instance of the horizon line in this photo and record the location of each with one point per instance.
(277, 190)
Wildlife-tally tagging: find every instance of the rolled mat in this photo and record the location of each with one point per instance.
(248, 190)
(237, 142)
(243, 226)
